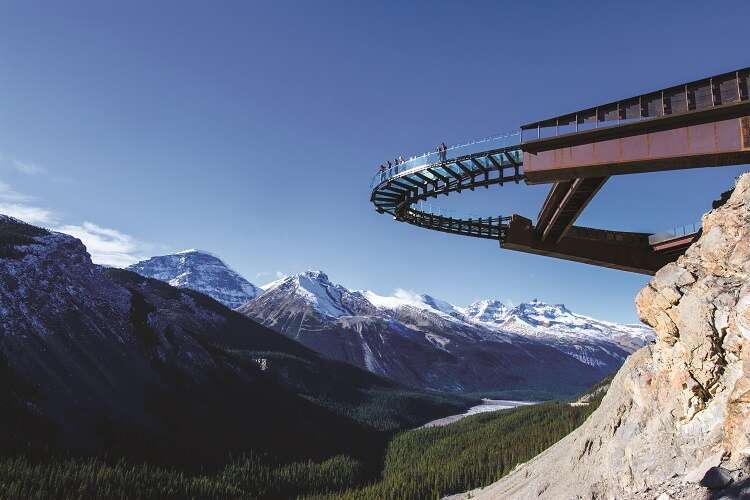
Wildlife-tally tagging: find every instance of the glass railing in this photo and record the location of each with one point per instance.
(430, 209)
(676, 232)
(455, 151)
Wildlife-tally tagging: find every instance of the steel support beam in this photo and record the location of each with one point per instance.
(495, 163)
(463, 167)
(478, 165)
(613, 249)
(453, 174)
(715, 143)
(564, 204)
(403, 186)
(438, 175)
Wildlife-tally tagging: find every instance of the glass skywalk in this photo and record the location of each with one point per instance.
(458, 151)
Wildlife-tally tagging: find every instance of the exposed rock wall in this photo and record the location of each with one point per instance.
(678, 407)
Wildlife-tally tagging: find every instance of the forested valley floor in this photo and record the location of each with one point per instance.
(416, 464)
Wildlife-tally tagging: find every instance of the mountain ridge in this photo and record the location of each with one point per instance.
(489, 313)
(383, 333)
(429, 343)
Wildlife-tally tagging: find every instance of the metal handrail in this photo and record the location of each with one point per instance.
(676, 232)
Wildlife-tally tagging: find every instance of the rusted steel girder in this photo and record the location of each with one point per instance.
(712, 144)
(621, 250)
(565, 202)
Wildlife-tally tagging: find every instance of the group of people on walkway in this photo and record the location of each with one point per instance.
(388, 165)
(442, 150)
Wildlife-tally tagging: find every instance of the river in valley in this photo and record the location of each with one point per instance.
(487, 405)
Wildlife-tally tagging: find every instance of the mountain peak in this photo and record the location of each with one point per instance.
(487, 311)
(311, 289)
(196, 251)
(538, 307)
(315, 274)
(200, 271)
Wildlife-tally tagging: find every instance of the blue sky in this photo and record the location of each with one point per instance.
(251, 129)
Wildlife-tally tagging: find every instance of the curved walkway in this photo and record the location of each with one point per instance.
(480, 163)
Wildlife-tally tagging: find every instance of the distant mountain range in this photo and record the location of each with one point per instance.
(428, 343)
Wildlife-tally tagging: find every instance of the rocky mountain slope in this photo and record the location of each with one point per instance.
(428, 343)
(95, 359)
(202, 272)
(675, 422)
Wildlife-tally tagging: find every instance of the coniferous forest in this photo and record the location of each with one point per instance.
(415, 464)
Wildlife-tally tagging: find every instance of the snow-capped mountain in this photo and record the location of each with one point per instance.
(547, 320)
(488, 311)
(587, 339)
(202, 272)
(423, 341)
(403, 298)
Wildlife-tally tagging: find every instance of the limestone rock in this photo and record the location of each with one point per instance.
(678, 412)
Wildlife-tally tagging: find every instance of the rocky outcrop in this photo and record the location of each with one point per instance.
(676, 420)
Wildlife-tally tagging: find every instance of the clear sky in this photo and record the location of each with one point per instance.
(251, 129)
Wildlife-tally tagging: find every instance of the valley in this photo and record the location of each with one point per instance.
(101, 363)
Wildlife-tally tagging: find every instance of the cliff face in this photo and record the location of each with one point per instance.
(679, 408)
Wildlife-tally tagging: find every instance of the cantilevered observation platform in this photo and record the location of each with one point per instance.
(697, 124)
